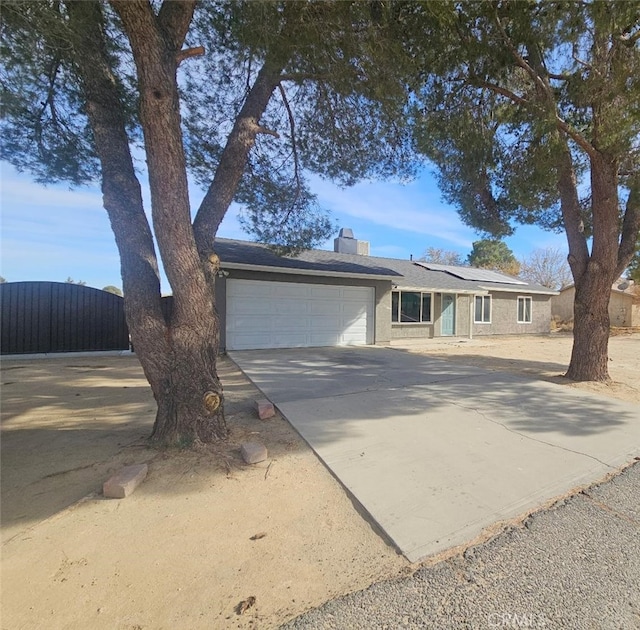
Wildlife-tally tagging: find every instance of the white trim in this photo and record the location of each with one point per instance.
(430, 322)
(434, 290)
(475, 321)
(306, 272)
(519, 290)
(524, 297)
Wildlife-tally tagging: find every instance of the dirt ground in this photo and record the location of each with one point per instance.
(545, 357)
(204, 532)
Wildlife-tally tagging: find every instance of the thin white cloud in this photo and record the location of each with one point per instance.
(410, 208)
(16, 188)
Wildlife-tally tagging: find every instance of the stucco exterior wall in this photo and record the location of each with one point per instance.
(504, 316)
(562, 304)
(382, 299)
(434, 329)
(463, 315)
(621, 311)
(411, 331)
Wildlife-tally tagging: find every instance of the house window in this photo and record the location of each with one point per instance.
(411, 307)
(482, 311)
(524, 310)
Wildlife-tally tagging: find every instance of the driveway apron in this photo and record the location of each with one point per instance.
(437, 451)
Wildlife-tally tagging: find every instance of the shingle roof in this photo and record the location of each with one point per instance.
(403, 273)
(246, 253)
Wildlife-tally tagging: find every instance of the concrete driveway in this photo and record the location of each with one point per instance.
(436, 451)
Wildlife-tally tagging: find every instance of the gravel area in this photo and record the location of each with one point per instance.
(576, 565)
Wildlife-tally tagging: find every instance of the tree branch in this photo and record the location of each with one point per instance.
(630, 40)
(242, 138)
(558, 77)
(122, 197)
(292, 127)
(294, 148)
(578, 138)
(302, 76)
(519, 59)
(571, 215)
(174, 19)
(500, 90)
(196, 51)
(265, 131)
(584, 64)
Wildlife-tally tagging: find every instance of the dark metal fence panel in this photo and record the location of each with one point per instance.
(60, 317)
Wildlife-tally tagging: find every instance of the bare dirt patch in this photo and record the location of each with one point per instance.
(206, 541)
(544, 357)
(201, 535)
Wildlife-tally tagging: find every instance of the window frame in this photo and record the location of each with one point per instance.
(398, 312)
(483, 298)
(524, 299)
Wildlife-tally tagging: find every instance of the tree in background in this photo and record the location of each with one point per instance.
(2, 280)
(547, 267)
(245, 94)
(70, 280)
(112, 289)
(493, 254)
(529, 111)
(442, 257)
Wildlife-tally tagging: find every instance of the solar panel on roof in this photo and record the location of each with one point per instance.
(471, 273)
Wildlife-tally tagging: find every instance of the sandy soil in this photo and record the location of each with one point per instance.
(545, 357)
(204, 532)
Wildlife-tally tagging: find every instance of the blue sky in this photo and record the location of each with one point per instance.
(52, 232)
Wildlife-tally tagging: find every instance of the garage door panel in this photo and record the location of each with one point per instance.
(262, 314)
(290, 324)
(291, 306)
(326, 308)
(325, 339)
(250, 289)
(325, 292)
(290, 340)
(323, 322)
(287, 290)
(247, 323)
(353, 310)
(355, 293)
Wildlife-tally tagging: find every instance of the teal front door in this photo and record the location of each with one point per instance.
(448, 317)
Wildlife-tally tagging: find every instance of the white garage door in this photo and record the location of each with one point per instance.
(292, 315)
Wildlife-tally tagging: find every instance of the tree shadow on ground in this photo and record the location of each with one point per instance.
(369, 385)
(57, 448)
(50, 462)
(544, 370)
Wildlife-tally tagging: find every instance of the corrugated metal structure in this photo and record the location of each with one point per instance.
(60, 317)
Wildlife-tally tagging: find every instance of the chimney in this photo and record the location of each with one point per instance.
(346, 244)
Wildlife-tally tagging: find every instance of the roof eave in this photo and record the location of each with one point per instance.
(522, 289)
(307, 272)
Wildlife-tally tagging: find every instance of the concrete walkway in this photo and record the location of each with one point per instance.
(436, 451)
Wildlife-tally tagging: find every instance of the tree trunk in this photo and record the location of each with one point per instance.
(187, 388)
(593, 281)
(177, 353)
(590, 356)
